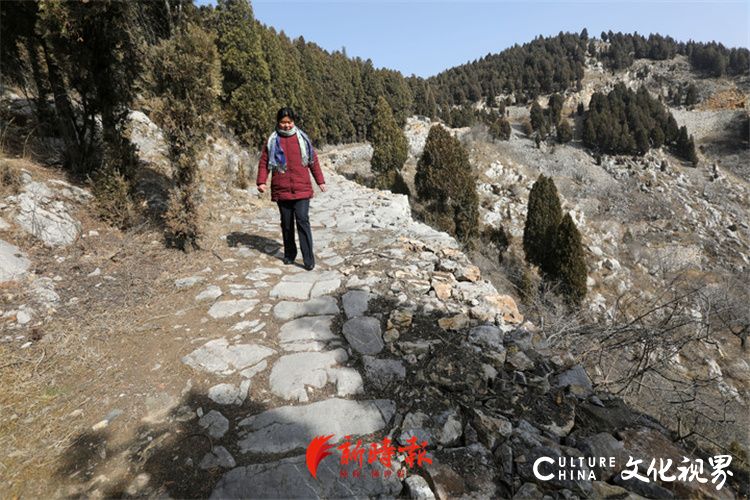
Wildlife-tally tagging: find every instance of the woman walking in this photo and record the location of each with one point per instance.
(289, 156)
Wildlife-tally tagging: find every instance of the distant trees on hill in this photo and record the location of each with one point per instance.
(627, 122)
(542, 66)
(712, 58)
(556, 64)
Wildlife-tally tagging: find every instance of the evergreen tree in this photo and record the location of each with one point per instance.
(446, 184)
(389, 146)
(555, 108)
(91, 51)
(536, 115)
(564, 132)
(691, 95)
(570, 262)
(685, 147)
(500, 129)
(186, 77)
(543, 216)
(246, 73)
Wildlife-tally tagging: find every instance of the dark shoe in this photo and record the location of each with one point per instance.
(310, 267)
(288, 261)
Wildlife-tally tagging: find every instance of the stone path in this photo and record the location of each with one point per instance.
(307, 343)
(304, 363)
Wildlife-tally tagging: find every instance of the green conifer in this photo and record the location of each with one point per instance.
(543, 216)
(564, 132)
(389, 146)
(570, 262)
(445, 182)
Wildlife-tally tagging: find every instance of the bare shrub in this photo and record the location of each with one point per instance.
(113, 202)
(643, 353)
(10, 179)
(240, 180)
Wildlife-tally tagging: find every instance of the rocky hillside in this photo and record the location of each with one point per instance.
(649, 225)
(133, 370)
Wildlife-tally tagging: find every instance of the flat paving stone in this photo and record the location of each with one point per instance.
(312, 277)
(324, 287)
(364, 335)
(286, 310)
(229, 394)
(289, 478)
(228, 308)
(291, 290)
(292, 373)
(348, 381)
(254, 370)
(268, 270)
(289, 428)
(211, 292)
(218, 357)
(306, 329)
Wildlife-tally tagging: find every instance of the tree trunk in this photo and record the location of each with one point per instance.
(64, 109)
(43, 112)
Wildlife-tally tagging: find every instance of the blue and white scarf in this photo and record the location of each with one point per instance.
(276, 157)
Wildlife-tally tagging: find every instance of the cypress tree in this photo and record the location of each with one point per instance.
(691, 96)
(389, 146)
(543, 216)
(500, 129)
(555, 108)
(445, 182)
(570, 262)
(685, 146)
(186, 75)
(564, 132)
(537, 116)
(246, 73)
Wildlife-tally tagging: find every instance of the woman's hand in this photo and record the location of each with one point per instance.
(323, 188)
(262, 188)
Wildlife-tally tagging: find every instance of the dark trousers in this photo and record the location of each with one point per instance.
(291, 211)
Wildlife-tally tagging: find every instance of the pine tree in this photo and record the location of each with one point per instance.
(543, 216)
(446, 184)
(389, 146)
(570, 261)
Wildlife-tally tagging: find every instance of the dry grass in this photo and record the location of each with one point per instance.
(725, 99)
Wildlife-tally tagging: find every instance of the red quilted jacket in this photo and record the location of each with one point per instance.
(294, 184)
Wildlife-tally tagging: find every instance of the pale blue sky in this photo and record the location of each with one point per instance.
(425, 37)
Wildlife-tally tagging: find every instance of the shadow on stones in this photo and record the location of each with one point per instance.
(151, 189)
(163, 459)
(259, 243)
